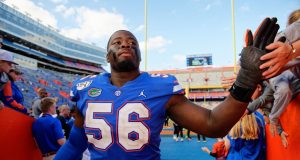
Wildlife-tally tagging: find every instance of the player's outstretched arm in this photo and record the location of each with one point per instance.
(211, 123)
(217, 122)
(77, 142)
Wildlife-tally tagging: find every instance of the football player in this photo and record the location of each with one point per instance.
(120, 114)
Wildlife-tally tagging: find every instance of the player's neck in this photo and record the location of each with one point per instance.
(120, 78)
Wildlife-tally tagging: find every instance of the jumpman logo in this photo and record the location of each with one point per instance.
(142, 94)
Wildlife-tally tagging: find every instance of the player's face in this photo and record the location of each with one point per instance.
(123, 52)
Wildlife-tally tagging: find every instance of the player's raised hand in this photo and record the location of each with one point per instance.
(255, 46)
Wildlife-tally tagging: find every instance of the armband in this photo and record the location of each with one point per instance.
(241, 94)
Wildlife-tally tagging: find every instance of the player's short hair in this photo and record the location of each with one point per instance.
(293, 17)
(46, 103)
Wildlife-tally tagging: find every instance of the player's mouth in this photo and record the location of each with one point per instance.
(125, 53)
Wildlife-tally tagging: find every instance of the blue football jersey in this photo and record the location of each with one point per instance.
(124, 122)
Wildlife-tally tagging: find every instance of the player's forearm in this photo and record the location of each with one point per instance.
(224, 117)
(211, 123)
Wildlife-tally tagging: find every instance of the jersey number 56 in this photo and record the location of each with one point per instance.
(132, 134)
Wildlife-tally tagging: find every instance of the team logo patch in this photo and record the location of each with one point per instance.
(83, 85)
(94, 92)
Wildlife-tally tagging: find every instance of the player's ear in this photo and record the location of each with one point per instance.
(107, 58)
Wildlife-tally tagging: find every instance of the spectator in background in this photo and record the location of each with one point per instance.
(6, 61)
(167, 121)
(64, 117)
(175, 133)
(72, 118)
(218, 150)
(11, 95)
(203, 138)
(179, 133)
(188, 135)
(47, 130)
(286, 86)
(246, 139)
(284, 55)
(36, 104)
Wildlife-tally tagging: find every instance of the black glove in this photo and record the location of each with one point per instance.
(249, 74)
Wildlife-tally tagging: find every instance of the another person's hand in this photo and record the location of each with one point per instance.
(283, 137)
(205, 149)
(273, 129)
(277, 59)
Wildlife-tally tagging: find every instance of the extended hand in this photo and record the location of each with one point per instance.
(250, 74)
(283, 137)
(205, 149)
(277, 59)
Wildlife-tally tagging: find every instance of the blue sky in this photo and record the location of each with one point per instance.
(176, 28)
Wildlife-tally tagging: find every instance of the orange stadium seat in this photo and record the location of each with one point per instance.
(57, 82)
(16, 138)
(208, 94)
(290, 121)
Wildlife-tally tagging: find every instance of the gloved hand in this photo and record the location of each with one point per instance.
(249, 74)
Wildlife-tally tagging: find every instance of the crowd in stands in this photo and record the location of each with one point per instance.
(42, 94)
(57, 85)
